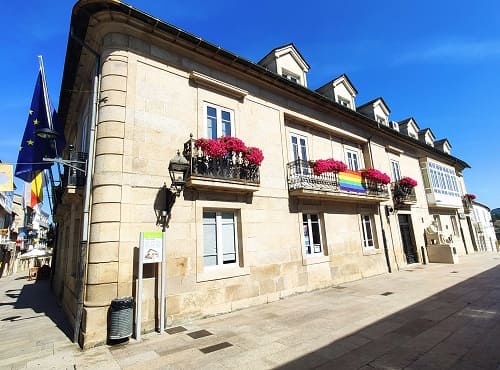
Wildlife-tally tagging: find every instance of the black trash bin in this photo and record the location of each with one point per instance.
(121, 318)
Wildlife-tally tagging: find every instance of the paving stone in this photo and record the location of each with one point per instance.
(445, 321)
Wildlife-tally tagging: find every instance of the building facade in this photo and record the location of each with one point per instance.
(242, 231)
(483, 228)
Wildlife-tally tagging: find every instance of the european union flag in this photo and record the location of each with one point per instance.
(33, 149)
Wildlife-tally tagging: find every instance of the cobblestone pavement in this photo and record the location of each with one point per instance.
(434, 316)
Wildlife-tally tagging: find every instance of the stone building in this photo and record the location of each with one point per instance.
(240, 232)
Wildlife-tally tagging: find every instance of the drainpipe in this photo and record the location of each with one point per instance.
(384, 238)
(84, 243)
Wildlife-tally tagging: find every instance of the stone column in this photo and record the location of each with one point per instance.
(103, 256)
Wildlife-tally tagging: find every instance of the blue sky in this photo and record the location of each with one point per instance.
(436, 61)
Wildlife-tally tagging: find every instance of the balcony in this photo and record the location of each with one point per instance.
(403, 195)
(72, 180)
(347, 186)
(231, 172)
(467, 203)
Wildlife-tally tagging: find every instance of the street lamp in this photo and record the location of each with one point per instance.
(178, 168)
(46, 133)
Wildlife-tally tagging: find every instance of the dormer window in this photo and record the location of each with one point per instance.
(341, 91)
(291, 76)
(380, 119)
(287, 62)
(343, 101)
(394, 125)
(377, 110)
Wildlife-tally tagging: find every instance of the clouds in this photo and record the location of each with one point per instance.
(451, 51)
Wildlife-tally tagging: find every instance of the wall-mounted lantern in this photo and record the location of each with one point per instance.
(178, 168)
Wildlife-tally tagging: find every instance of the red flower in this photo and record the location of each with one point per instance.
(328, 165)
(218, 148)
(408, 182)
(211, 147)
(254, 155)
(232, 144)
(376, 176)
(470, 196)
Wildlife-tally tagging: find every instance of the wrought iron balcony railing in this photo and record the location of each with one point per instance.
(403, 195)
(302, 180)
(231, 169)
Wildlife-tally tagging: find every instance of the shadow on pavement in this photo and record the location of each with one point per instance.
(41, 300)
(458, 328)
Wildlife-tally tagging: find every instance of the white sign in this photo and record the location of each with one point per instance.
(152, 251)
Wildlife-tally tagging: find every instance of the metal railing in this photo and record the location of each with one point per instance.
(231, 166)
(301, 176)
(403, 194)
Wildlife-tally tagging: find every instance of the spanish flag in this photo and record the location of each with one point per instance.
(33, 192)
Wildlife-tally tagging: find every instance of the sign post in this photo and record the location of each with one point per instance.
(151, 250)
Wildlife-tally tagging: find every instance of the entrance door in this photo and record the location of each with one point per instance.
(408, 245)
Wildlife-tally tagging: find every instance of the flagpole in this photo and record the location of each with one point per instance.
(49, 193)
(47, 111)
(45, 93)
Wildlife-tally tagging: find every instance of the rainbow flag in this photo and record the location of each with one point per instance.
(351, 181)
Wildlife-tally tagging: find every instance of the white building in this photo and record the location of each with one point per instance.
(484, 231)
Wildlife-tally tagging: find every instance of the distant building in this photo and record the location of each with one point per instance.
(484, 230)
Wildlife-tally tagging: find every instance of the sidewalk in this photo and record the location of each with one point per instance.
(433, 316)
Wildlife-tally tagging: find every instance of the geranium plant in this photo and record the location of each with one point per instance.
(232, 144)
(218, 148)
(376, 176)
(327, 165)
(470, 196)
(211, 147)
(253, 155)
(407, 182)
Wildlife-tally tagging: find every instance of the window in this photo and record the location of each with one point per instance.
(290, 76)
(394, 125)
(443, 180)
(380, 119)
(312, 233)
(299, 152)
(366, 226)
(343, 101)
(437, 222)
(396, 173)
(220, 121)
(220, 241)
(352, 159)
(454, 225)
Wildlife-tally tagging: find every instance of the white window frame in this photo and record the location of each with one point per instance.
(381, 120)
(443, 179)
(367, 221)
(343, 101)
(395, 170)
(218, 120)
(298, 150)
(350, 162)
(290, 76)
(454, 225)
(394, 125)
(313, 244)
(219, 241)
(437, 219)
